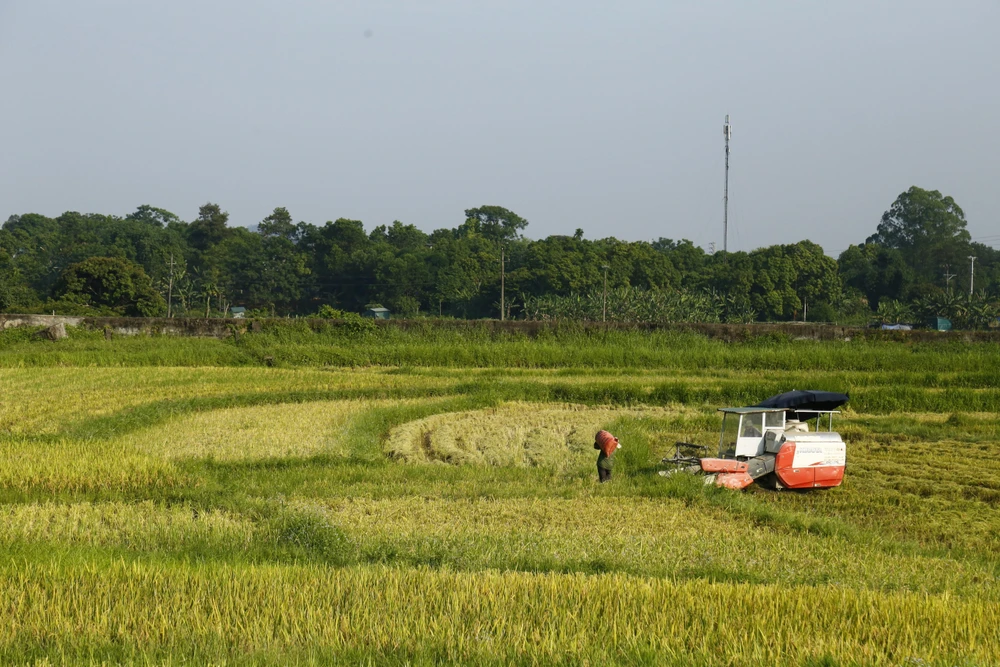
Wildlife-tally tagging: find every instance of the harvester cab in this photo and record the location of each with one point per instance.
(772, 443)
(745, 430)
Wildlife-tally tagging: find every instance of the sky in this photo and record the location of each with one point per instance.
(586, 114)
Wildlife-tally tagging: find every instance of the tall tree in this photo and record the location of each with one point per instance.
(209, 228)
(260, 271)
(816, 278)
(157, 217)
(278, 224)
(37, 249)
(15, 295)
(928, 228)
(494, 222)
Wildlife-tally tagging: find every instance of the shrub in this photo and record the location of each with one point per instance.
(110, 284)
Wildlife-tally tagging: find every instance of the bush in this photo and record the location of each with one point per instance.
(822, 312)
(109, 285)
(330, 313)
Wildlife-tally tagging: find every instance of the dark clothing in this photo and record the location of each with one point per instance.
(604, 465)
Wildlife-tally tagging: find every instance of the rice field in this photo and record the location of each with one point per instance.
(425, 512)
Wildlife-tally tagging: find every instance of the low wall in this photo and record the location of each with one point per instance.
(130, 326)
(8, 321)
(224, 327)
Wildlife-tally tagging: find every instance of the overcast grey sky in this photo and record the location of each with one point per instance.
(591, 114)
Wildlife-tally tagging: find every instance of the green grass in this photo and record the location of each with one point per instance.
(296, 344)
(173, 501)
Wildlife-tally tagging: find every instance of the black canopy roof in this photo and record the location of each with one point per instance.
(805, 400)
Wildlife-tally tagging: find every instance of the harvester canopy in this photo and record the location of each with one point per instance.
(805, 400)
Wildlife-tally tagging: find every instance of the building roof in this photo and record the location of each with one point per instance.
(378, 310)
(238, 309)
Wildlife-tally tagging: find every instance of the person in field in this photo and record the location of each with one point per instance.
(608, 445)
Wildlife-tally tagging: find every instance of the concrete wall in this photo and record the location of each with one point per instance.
(131, 326)
(8, 321)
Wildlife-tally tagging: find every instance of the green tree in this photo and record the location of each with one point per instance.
(468, 275)
(928, 228)
(774, 283)
(396, 259)
(15, 295)
(687, 258)
(773, 293)
(209, 228)
(642, 265)
(111, 283)
(156, 217)
(731, 276)
(259, 271)
(567, 265)
(338, 273)
(37, 248)
(875, 271)
(494, 222)
(817, 283)
(278, 225)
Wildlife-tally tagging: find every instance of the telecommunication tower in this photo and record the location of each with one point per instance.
(727, 131)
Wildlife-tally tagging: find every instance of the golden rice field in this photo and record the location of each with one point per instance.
(424, 514)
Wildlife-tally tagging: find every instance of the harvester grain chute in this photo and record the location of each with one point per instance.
(771, 443)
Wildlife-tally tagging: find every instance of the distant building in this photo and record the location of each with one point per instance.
(377, 313)
(237, 311)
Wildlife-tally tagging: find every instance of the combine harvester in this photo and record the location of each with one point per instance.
(771, 443)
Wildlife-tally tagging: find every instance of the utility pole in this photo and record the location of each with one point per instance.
(947, 278)
(727, 131)
(604, 306)
(502, 313)
(972, 273)
(170, 288)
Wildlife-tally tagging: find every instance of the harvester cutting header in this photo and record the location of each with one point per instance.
(772, 443)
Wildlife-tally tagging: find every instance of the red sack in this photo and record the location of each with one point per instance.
(605, 442)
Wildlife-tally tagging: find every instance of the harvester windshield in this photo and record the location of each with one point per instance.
(730, 432)
(744, 429)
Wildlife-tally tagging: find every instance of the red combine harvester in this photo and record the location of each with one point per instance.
(771, 443)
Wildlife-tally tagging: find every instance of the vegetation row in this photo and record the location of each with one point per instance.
(915, 266)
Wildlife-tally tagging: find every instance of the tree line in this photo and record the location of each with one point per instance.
(152, 263)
